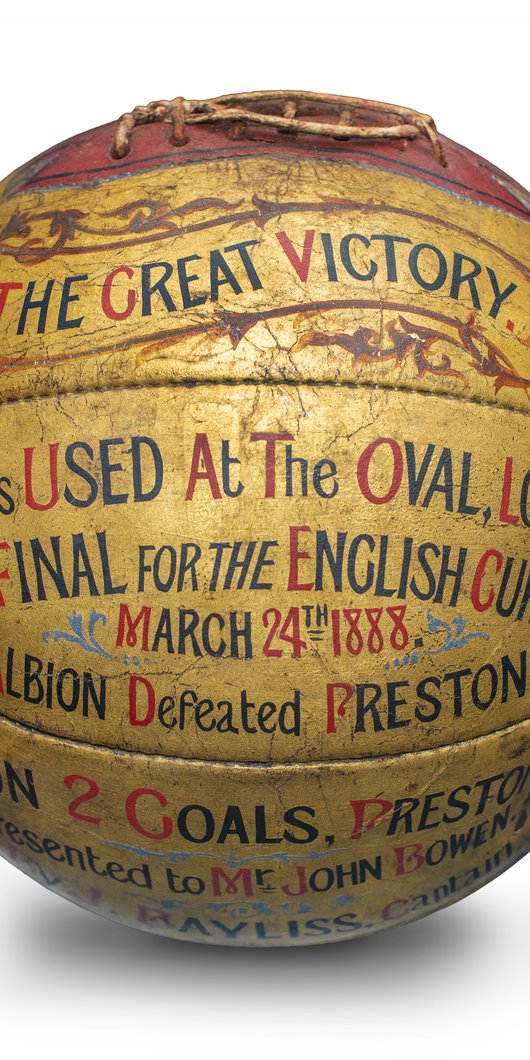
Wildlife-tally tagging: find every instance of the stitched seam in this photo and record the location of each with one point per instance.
(189, 384)
(284, 765)
(149, 165)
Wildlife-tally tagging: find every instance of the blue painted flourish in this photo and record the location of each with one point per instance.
(454, 638)
(88, 640)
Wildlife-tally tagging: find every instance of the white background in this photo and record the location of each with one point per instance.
(456, 984)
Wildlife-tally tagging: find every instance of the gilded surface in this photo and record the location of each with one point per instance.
(265, 588)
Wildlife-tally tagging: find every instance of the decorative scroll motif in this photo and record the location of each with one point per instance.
(33, 237)
(77, 635)
(428, 349)
(40, 236)
(455, 635)
(88, 641)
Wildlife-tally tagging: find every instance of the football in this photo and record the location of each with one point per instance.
(265, 511)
